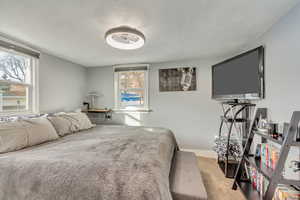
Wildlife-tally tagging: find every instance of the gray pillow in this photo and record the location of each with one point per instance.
(39, 130)
(24, 133)
(13, 136)
(67, 123)
(64, 124)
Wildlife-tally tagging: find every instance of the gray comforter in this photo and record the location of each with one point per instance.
(104, 163)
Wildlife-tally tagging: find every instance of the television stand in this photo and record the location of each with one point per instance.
(236, 115)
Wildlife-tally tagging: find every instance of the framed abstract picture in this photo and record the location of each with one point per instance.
(177, 79)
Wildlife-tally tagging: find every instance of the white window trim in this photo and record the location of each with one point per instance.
(117, 108)
(34, 86)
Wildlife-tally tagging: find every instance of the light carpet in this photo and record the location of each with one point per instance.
(217, 186)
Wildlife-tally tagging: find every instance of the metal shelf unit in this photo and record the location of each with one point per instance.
(275, 176)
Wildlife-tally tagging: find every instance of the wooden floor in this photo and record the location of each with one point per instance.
(217, 186)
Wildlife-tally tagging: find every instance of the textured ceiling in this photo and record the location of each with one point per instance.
(174, 29)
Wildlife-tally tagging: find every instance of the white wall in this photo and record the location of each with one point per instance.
(282, 66)
(282, 71)
(192, 115)
(62, 84)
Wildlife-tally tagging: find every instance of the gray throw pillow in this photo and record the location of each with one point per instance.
(64, 124)
(24, 133)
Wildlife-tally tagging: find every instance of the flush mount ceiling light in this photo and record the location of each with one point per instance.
(125, 38)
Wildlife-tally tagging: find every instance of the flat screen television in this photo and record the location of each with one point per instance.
(240, 77)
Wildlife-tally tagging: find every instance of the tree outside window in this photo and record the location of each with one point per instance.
(14, 82)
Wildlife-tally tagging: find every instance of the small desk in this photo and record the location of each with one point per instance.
(94, 115)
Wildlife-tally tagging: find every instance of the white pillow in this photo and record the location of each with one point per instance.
(23, 133)
(82, 120)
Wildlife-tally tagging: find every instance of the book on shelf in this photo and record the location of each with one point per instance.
(269, 155)
(269, 158)
(259, 182)
(284, 192)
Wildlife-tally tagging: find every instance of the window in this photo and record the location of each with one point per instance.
(131, 88)
(18, 88)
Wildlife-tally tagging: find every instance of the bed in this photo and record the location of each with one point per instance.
(103, 163)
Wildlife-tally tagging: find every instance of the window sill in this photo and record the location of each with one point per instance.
(132, 111)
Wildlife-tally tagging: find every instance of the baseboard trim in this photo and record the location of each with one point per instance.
(203, 153)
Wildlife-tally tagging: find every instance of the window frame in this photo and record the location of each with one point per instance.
(33, 89)
(117, 106)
